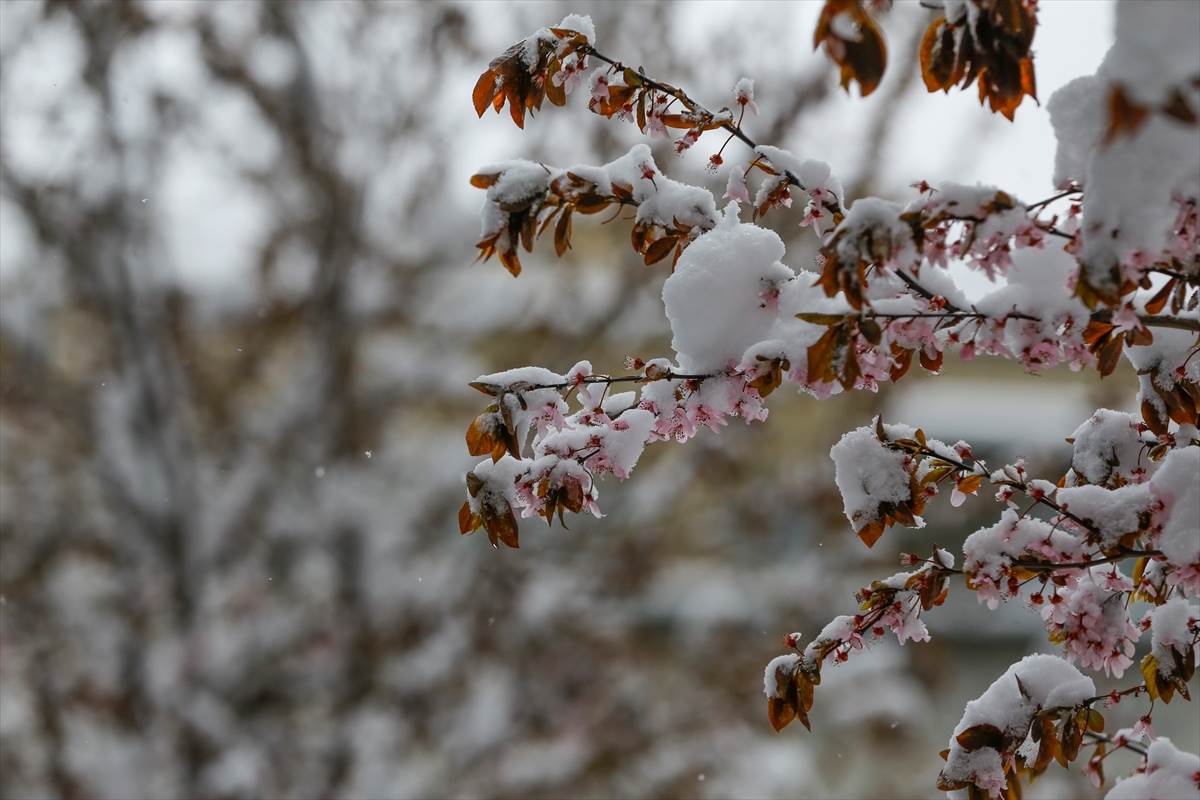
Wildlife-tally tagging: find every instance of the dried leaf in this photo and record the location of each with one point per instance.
(562, 233)
(467, 519)
(983, 735)
(479, 437)
(659, 249)
(871, 532)
(780, 713)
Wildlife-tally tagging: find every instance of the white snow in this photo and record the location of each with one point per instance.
(1169, 773)
(713, 298)
(867, 474)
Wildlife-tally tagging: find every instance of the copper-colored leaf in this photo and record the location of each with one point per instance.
(479, 437)
(820, 356)
(660, 249)
(1071, 739)
(983, 735)
(901, 361)
(969, 484)
(484, 92)
(482, 181)
(861, 57)
(501, 525)
(932, 363)
(1110, 355)
(871, 532)
(562, 233)
(1156, 303)
(780, 713)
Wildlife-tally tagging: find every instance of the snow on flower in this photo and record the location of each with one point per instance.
(868, 474)
(712, 298)
(1092, 622)
(1008, 705)
(1167, 772)
(743, 94)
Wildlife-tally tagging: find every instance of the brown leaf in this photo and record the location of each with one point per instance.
(482, 181)
(1071, 739)
(969, 484)
(901, 361)
(562, 233)
(862, 58)
(660, 249)
(1110, 355)
(1156, 303)
(820, 356)
(932, 363)
(483, 94)
(479, 437)
(871, 532)
(501, 524)
(467, 519)
(983, 735)
(1152, 418)
(780, 712)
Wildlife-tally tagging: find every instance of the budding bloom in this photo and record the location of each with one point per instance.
(743, 93)
(714, 162)
(1143, 727)
(793, 639)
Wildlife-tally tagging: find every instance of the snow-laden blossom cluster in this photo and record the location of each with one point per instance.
(524, 198)
(893, 604)
(1109, 267)
(994, 725)
(1127, 137)
(1165, 772)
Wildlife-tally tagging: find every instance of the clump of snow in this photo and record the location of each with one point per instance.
(1112, 512)
(713, 298)
(660, 200)
(1107, 446)
(1037, 286)
(1175, 486)
(813, 175)
(1168, 772)
(1172, 627)
(867, 474)
(521, 378)
(581, 23)
(1157, 364)
(988, 554)
(788, 663)
(1132, 182)
(1045, 681)
(743, 94)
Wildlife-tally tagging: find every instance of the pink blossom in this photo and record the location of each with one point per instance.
(735, 188)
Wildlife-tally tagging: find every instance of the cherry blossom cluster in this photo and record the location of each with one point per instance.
(1114, 272)
(893, 604)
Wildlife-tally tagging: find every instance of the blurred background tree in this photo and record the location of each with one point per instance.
(238, 318)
